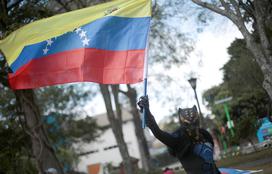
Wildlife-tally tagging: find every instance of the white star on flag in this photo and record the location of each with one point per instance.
(49, 42)
(45, 50)
(78, 30)
(82, 34)
(85, 42)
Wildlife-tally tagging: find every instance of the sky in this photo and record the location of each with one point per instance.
(209, 55)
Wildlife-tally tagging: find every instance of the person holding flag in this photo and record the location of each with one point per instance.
(192, 145)
(105, 44)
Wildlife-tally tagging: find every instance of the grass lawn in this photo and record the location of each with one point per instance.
(254, 161)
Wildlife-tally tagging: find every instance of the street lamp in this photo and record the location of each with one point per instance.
(192, 82)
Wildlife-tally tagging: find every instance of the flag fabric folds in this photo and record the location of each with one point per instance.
(104, 44)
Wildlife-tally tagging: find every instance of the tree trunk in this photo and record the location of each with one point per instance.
(263, 63)
(267, 84)
(117, 130)
(261, 46)
(139, 131)
(115, 92)
(42, 150)
(258, 42)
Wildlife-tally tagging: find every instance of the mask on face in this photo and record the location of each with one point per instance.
(189, 119)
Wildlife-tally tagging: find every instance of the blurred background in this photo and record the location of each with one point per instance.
(196, 57)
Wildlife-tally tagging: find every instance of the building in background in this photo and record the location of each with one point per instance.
(105, 149)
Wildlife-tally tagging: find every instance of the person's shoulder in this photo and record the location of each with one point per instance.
(204, 131)
(179, 132)
(206, 135)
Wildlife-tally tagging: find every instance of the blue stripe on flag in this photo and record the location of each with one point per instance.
(109, 33)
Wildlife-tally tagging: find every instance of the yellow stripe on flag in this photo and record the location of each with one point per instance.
(47, 28)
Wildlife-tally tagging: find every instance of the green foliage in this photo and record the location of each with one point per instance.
(7, 103)
(67, 129)
(15, 154)
(15, 146)
(3, 71)
(164, 36)
(247, 109)
(64, 98)
(213, 94)
(241, 73)
(243, 81)
(249, 124)
(63, 105)
(17, 13)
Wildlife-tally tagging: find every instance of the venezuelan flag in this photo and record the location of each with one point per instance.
(104, 44)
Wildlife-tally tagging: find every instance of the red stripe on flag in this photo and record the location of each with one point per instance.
(81, 65)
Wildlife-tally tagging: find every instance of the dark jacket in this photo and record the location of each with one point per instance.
(195, 157)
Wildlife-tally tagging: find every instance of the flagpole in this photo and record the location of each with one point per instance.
(146, 71)
(145, 79)
(145, 88)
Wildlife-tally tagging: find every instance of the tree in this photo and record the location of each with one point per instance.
(15, 156)
(66, 121)
(241, 72)
(253, 19)
(28, 104)
(246, 110)
(13, 15)
(213, 94)
(65, 131)
(42, 149)
(243, 78)
(131, 94)
(116, 125)
(60, 118)
(242, 81)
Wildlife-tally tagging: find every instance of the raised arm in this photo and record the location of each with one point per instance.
(166, 138)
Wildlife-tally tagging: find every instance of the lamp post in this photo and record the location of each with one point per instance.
(192, 82)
